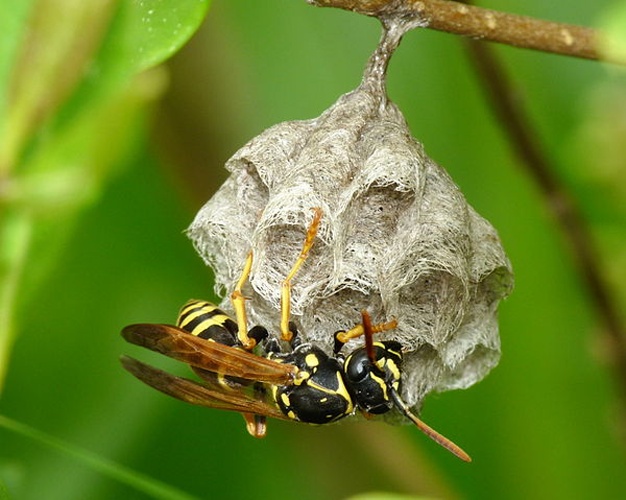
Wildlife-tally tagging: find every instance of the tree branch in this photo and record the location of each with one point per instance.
(485, 24)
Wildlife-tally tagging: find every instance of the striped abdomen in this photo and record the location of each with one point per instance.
(207, 321)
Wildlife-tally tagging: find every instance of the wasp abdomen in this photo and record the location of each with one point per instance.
(206, 320)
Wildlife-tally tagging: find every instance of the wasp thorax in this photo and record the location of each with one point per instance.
(319, 397)
(397, 238)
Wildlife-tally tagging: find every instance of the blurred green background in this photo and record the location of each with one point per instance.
(107, 173)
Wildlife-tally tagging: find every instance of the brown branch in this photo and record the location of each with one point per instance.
(516, 125)
(485, 24)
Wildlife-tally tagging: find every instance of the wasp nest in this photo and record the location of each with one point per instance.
(397, 238)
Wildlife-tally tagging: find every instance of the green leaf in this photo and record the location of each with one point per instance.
(142, 34)
(50, 62)
(156, 29)
(75, 52)
(74, 90)
(613, 29)
(12, 28)
(16, 236)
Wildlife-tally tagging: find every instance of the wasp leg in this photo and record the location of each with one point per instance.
(238, 301)
(256, 425)
(285, 298)
(343, 336)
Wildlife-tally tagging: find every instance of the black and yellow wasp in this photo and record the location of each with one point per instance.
(303, 385)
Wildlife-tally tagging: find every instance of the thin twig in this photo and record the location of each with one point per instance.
(485, 24)
(516, 125)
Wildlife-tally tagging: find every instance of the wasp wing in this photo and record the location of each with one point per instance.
(255, 424)
(197, 394)
(208, 355)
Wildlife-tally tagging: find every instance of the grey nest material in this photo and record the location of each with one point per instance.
(397, 238)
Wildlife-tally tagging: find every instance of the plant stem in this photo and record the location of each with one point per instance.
(15, 235)
(523, 140)
(485, 24)
(147, 485)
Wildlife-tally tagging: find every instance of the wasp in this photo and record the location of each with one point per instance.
(302, 383)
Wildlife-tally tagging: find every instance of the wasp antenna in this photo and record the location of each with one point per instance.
(429, 431)
(366, 321)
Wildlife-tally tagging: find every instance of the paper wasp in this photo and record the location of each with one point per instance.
(304, 384)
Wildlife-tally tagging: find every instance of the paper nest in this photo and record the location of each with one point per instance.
(397, 238)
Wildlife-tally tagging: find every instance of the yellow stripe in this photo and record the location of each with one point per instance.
(218, 320)
(381, 383)
(341, 391)
(194, 309)
(184, 319)
(193, 304)
(393, 368)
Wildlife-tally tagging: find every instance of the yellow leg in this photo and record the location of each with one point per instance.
(255, 424)
(285, 297)
(358, 330)
(239, 305)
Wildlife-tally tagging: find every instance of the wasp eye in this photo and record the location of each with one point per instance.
(358, 367)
